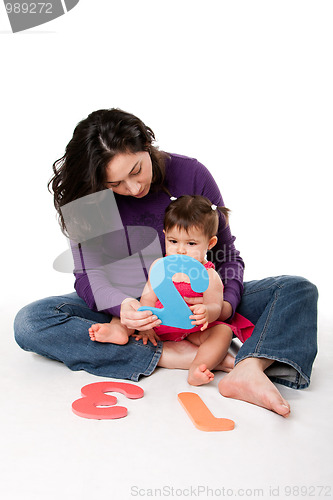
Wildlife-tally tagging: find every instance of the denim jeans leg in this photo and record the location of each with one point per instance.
(57, 327)
(284, 312)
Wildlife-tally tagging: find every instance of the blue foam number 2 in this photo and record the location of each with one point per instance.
(175, 312)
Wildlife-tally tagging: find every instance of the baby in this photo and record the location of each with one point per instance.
(190, 227)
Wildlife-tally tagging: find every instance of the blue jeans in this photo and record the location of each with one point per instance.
(283, 309)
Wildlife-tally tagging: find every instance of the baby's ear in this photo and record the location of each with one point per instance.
(212, 242)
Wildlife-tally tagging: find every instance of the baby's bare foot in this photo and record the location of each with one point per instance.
(113, 333)
(248, 382)
(199, 375)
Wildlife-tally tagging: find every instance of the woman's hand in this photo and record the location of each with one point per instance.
(137, 320)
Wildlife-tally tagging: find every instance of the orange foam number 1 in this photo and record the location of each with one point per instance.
(200, 415)
(94, 395)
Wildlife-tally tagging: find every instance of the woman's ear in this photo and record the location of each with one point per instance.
(212, 242)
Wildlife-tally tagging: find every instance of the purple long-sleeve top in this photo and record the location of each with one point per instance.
(142, 219)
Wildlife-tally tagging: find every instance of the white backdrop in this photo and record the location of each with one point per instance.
(244, 86)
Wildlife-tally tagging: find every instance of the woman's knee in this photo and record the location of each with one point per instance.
(27, 323)
(22, 324)
(310, 288)
(301, 285)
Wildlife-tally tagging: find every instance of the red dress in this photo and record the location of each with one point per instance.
(239, 325)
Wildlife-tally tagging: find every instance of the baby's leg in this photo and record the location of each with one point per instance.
(213, 347)
(113, 332)
(226, 364)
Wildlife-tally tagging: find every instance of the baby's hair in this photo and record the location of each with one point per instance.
(194, 211)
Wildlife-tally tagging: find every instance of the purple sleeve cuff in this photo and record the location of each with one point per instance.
(83, 289)
(233, 294)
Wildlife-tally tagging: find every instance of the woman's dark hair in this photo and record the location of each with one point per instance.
(194, 211)
(96, 140)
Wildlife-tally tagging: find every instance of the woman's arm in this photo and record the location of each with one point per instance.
(228, 262)
(94, 287)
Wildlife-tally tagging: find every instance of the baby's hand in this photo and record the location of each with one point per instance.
(200, 316)
(147, 335)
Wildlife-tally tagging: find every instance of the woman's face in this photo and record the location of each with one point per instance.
(130, 174)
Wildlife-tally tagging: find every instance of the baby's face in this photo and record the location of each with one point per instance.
(192, 243)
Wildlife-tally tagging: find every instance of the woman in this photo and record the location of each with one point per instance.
(113, 149)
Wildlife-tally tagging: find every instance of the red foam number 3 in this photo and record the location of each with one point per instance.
(94, 395)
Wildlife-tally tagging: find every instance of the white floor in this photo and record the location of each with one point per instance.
(50, 453)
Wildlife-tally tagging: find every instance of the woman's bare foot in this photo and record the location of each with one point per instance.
(113, 333)
(248, 382)
(199, 375)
